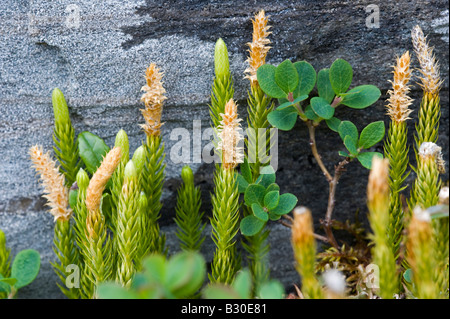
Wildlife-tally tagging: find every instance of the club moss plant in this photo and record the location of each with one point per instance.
(106, 206)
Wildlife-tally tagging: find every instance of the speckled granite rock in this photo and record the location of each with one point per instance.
(96, 52)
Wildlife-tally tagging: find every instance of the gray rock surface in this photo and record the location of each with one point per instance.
(96, 52)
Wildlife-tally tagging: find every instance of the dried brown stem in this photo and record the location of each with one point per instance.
(332, 181)
(312, 143)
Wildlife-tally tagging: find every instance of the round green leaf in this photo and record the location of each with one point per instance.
(266, 80)
(267, 176)
(242, 284)
(310, 115)
(273, 216)
(251, 225)
(322, 108)
(407, 275)
(286, 76)
(185, 273)
(361, 96)
(307, 78)
(254, 194)
(220, 291)
(92, 149)
(154, 268)
(242, 183)
(351, 144)
(272, 289)
(271, 199)
(286, 204)
(372, 134)
(347, 128)
(366, 158)
(324, 87)
(25, 267)
(341, 75)
(112, 290)
(259, 212)
(272, 187)
(283, 119)
(333, 124)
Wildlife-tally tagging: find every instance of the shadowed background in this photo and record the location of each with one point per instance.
(96, 52)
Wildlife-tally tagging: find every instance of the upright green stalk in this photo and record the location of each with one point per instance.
(99, 245)
(128, 232)
(5, 260)
(304, 246)
(427, 127)
(67, 253)
(80, 217)
(426, 193)
(116, 191)
(396, 149)
(188, 216)
(57, 195)
(5, 256)
(153, 181)
(153, 171)
(117, 178)
(378, 203)
(421, 256)
(225, 200)
(225, 224)
(259, 106)
(222, 88)
(66, 146)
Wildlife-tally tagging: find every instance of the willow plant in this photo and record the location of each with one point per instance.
(396, 146)
(225, 200)
(57, 195)
(153, 171)
(99, 259)
(66, 146)
(259, 106)
(304, 246)
(378, 204)
(188, 216)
